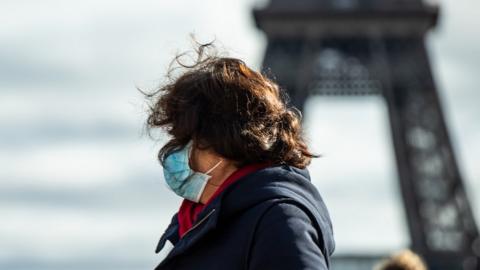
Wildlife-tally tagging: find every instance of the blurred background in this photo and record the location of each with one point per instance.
(80, 185)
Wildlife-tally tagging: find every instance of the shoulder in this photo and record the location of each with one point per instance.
(286, 218)
(285, 232)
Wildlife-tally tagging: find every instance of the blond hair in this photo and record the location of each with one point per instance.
(403, 260)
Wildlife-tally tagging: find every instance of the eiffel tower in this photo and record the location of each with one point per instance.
(377, 47)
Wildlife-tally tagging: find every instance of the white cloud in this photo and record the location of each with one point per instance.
(75, 165)
(70, 235)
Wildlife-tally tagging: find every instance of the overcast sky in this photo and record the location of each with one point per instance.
(79, 183)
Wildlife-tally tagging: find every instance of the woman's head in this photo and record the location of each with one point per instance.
(402, 260)
(230, 109)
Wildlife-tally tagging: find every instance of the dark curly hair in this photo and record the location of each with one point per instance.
(225, 106)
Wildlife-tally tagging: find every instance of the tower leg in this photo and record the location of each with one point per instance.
(441, 222)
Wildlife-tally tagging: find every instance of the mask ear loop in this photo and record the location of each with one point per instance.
(216, 165)
(208, 182)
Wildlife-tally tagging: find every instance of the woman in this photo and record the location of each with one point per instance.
(237, 157)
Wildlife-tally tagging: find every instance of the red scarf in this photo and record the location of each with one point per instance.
(189, 210)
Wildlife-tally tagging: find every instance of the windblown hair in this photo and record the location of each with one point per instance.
(225, 106)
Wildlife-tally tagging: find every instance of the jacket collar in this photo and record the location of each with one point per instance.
(207, 221)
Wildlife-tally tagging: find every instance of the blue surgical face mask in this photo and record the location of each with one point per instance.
(180, 178)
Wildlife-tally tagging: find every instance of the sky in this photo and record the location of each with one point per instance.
(80, 186)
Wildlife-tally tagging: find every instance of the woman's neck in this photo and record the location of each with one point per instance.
(219, 175)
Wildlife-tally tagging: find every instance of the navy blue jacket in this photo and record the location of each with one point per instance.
(273, 218)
